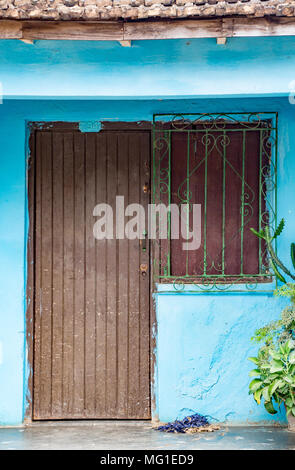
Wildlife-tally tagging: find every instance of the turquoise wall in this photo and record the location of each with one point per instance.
(202, 341)
(196, 67)
(203, 346)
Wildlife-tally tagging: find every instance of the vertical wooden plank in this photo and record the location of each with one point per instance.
(111, 268)
(123, 281)
(252, 172)
(179, 148)
(144, 287)
(46, 275)
(197, 188)
(68, 306)
(133, 264)
(233, 204)
(214, 206)
(100, 283)
(90, 267)
(38, 277)
(154, 257)
(57, 272)
(30, 287)
(79, 285)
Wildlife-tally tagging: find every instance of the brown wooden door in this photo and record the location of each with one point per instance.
(91, 321)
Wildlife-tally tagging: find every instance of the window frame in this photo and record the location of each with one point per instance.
(165, 125)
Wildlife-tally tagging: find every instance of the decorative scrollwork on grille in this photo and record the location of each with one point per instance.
(211, 138)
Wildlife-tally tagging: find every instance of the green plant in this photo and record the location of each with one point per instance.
(274, 376)
(276, 264)
(287, 290)
(283, 329)
(275, 362)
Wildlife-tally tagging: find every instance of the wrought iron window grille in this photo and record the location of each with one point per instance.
(234, 156)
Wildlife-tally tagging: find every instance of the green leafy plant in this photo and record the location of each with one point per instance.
(274, 376)
(283, 329)
(276, 264)
(275, 363)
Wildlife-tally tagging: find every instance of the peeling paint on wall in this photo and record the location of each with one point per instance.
(203, 366)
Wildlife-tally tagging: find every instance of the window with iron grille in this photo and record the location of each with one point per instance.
(227, 164)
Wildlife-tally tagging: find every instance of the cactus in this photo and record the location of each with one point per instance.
(293, 254)
(275, 262)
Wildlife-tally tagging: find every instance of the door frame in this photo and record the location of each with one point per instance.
(31, 129)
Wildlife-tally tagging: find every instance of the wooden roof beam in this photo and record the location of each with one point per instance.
(125, 43)
(146, 30)
(221, 41)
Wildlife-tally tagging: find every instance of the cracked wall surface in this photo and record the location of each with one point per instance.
(203, 346)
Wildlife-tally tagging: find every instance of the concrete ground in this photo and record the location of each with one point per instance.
(124, 435)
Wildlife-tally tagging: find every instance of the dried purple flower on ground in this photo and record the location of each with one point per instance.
(189, 422)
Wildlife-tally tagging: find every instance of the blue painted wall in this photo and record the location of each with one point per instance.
(202, 341)
(203, 346)
(197, 67)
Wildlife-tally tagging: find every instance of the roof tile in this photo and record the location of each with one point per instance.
(141, 9)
